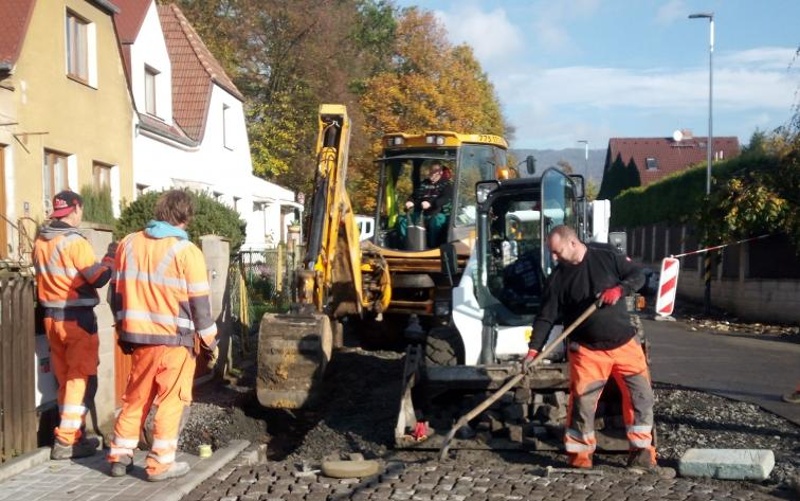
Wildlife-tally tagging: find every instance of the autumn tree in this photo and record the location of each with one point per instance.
(394, 70)
(287, 57)
(427, 84)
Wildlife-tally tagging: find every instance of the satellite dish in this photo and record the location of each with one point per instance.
(677, 135)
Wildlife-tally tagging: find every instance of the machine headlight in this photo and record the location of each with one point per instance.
(437, 140)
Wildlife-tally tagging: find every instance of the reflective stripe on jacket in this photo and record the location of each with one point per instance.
(162, 294)
(67, 273)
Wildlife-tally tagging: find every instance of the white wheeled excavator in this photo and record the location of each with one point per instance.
(494, 306)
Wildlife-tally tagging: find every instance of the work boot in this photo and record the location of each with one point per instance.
(582, 461)
(81, 449)
(122, 467)
(792, 398)
(176, 470)
(643, 461)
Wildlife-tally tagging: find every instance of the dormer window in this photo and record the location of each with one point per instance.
(651, 163)
(150, 76)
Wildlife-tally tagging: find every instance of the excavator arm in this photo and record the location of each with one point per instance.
(337, 278)
(331, 275)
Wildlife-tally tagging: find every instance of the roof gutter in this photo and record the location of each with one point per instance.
(105, 4)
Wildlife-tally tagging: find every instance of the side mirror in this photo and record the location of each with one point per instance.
(530, 164)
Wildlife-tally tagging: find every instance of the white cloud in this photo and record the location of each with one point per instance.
(491, 34)
(672, 11)
(554, 106)
(774, 58)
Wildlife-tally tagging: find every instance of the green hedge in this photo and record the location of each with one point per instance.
(210, 218)
(97, 205)
(680, 197)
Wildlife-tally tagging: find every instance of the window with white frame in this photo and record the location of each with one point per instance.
(55, 173)
(227, 137)
(77, 47)
(101, 176)
(150, 77)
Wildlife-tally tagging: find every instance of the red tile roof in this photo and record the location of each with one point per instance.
(130, 18)
(670, 155)
(14, 18)
(193, 71)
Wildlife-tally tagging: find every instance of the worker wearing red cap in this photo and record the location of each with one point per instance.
(67, 279)
(161, 297)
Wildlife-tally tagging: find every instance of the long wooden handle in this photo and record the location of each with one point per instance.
(513, 381)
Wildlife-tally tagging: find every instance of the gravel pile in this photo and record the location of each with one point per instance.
(359, 416)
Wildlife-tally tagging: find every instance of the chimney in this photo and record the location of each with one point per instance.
(687, 133)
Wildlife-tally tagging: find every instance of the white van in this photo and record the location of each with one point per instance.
(366, 226)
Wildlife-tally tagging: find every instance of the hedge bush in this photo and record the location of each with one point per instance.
(97, 205)
(210, 218)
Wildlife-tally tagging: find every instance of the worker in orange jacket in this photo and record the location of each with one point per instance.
(67, 279)
(161, 300)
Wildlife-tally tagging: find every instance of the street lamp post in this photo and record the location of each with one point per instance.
(710, 139)
(585, 142)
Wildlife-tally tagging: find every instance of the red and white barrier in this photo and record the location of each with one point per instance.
(667, 286)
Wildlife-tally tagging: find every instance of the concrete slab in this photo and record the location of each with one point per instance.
(727, 464)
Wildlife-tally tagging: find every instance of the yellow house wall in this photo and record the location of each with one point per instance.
(88, 123)
(93, 124)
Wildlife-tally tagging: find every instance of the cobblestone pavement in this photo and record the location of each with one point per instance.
(427, 479)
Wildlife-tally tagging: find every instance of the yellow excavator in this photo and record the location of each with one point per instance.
(392, 287)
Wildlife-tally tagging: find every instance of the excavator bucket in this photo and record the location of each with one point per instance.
(293, 351)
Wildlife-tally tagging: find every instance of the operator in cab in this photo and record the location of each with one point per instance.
(433, 201)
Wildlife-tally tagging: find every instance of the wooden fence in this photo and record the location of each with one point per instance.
(18, 414)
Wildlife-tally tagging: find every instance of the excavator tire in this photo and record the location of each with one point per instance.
(293, 351)
(443, 347)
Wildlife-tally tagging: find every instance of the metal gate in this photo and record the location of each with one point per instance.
(18, 416)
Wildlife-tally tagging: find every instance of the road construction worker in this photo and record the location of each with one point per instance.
(163, 310)
(67, 279)
(604, 345)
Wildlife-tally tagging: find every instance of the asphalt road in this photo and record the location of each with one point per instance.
(748, 367)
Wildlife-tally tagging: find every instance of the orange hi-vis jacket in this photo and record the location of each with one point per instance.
(67, 274)
(161, 291)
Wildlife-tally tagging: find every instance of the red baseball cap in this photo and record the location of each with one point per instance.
(64, 203)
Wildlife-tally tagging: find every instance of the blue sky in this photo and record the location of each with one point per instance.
(570, 70)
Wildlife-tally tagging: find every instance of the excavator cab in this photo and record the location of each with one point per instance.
(407, 161)
(494, 307)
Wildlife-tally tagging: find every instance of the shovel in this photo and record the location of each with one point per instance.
(513, 381)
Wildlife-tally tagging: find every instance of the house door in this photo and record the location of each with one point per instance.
(4, 222)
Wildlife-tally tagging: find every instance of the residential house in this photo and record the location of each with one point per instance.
(66, 121)
(190, 128)
(642, 161)
(65, 111)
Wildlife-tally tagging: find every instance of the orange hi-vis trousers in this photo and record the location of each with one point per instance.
(74, 358)
(160, 375)
(589, 371)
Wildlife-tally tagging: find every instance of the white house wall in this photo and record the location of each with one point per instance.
(219, 165)
(151, 50)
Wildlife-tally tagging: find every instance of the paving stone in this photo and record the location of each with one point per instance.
(727, 464)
